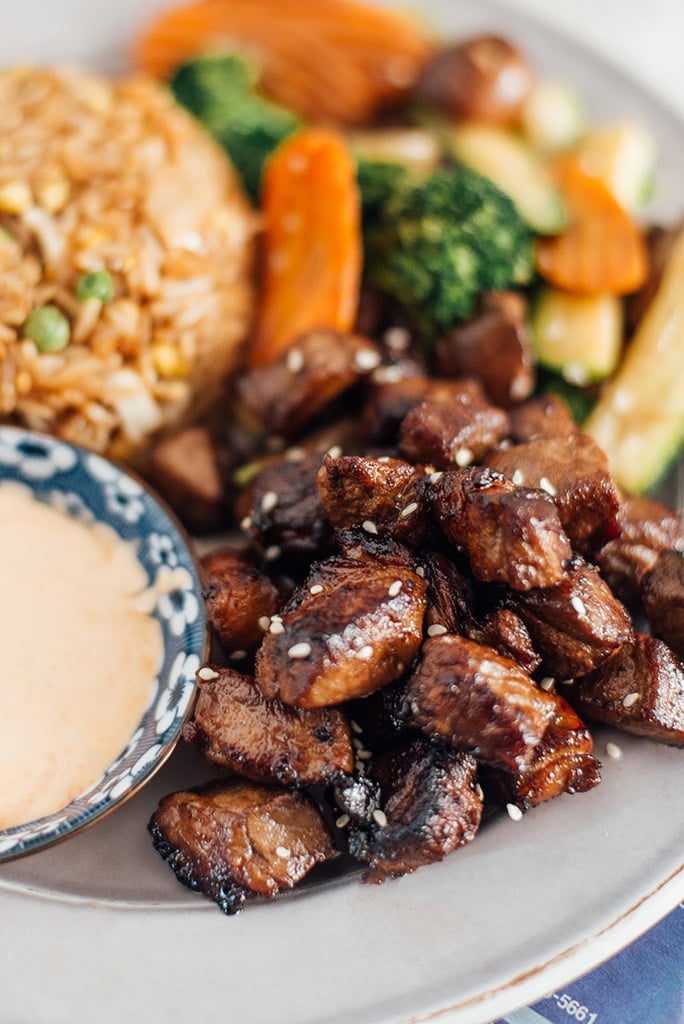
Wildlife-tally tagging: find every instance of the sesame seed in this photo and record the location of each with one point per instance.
(379, 817)
(276, 627)
(395, 588)
(357, 744)
(568, 682)
(365, 653)
(388, 375)
(613, 751)
(479, 791)
(397, 337)
(463, 457)
(366, 359)
(547, 683)
(316, 589)
(409, 510)
(521, 386)
(517, 478)
(238, 655)
(295, 360)
(207, 673)
(302, 650)
(420, 571)
(246, 524)
(283, 851)
(578, 604)
(369, 526)
(355, 727)
(437, 629)
(342, 821)
(384, 459)
(364, 755)
(265, 622)
(269, 501)
(295, 454)
(434, 477)
(547, 486)
(334, 452)
(630, 699)
(514, 812)
(272, 553)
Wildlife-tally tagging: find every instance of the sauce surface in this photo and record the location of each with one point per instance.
(79, 657)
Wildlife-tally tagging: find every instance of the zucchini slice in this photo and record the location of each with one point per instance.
(577, 336)
(639, 419)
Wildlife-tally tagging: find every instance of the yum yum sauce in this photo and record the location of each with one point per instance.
(79, 657)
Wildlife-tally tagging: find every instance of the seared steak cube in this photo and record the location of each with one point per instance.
(662, 593)
(454, 426)
(233, 839)
(354, 625)
(474, 699)
(574, 471)
(639, 689)
(507, 633)
(511, 535)
(544, 416)
(239, 597)
(429, 807)
(387, 404)
(237, 728)
(185, 469)
(318, 367)
(647, 528)
(576, 623)
(450, 598)
(388, 493)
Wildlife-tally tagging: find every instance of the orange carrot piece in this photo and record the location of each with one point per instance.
(330, 60)
(312, 251)
(602, 249)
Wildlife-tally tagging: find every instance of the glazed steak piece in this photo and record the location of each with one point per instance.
(453, 426)
(576, 623)
(319, 366)
(574, 471)
(647, 528)
(285, 513)
(474, 699)
(510, 534)
(389, 493)
(235, 727)
(353, 627)
(238, 594)
(507, 633)
(388, 403)
(450, 599)
(428, 808)
(233, 839)
(662, 594)
(544, 416)
(561, 762)
(639, 689)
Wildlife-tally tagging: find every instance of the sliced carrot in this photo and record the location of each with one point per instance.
(311, 243)
(330, 60)
(602, 249)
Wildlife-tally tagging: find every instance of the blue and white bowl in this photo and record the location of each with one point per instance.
(91, 488)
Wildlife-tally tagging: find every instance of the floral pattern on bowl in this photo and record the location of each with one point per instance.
(91, 488)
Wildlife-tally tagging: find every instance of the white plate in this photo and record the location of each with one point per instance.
(98, 929)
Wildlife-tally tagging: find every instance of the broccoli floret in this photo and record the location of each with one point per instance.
(219, 89)
(436, 244)
(378, 181)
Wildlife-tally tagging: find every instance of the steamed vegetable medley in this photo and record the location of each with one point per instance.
(463, 374)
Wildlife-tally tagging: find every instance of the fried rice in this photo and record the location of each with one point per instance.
(113, 176)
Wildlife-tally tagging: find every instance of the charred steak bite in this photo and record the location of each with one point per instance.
(472, 698)
(639, 689)
(454, 426)
(576, 623)
(662, 594)
(389, 493)
(352, 627)
(231, 840)
(240, 599)
(494, 347)
(236, 727)
(186, 469)
(450, 597)
(387, 404)
(379, 719)
(561, 762)
(574, 471)
(429, 807)
(315, 369)
(511, 535)
(647, 528)
(543, 416)
(284, 511)
(507, 633)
